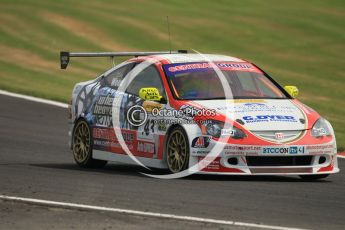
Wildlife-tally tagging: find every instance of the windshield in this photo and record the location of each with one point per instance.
(199, 81)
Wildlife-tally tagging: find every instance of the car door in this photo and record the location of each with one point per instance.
(147, 134)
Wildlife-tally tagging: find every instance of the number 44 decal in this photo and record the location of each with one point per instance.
(149, 127)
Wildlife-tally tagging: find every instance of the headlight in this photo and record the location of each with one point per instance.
(216, 129)
(238, 133)
(321, 128)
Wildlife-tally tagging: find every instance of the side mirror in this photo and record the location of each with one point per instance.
(150, 94)
(292, 90)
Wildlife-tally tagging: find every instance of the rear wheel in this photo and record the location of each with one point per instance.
(82, 146)
(177, 155)
(314, 177)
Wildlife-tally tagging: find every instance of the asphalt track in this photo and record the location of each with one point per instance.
(35, 162)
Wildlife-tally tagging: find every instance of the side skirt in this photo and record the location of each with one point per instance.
(122, 158)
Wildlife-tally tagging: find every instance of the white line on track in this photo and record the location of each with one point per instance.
(118, 210)
(36, 99)
(141, 213)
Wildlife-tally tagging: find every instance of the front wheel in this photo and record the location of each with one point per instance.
(313, 177)
(82, 146)
(177, 155)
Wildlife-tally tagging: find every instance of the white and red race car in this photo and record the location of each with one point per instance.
(195, 113)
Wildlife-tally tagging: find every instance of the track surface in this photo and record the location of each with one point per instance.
(35, 162)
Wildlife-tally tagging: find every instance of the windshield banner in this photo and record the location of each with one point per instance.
(180, 68)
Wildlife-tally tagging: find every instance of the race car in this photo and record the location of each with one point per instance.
(196, 113)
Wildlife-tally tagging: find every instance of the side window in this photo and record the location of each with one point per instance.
(149, 77)
(114, 79)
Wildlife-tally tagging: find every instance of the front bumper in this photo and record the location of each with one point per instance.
(266, 160)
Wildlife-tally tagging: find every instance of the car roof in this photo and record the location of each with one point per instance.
(187, 58)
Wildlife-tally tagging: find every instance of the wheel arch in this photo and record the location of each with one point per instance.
(190, 131)
(166, 138)
(73, 128)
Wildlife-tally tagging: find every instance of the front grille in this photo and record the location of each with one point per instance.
(278, 160)
(288, 135)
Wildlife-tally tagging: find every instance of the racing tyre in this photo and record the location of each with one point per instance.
(313, 177)
(82, 146)
(177, 150)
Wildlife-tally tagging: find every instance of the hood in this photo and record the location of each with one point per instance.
(261, 115)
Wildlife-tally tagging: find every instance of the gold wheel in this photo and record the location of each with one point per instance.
(81, 142)
(177, 151)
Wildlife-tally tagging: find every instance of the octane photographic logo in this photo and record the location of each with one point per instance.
(136, 115)
(184, 111)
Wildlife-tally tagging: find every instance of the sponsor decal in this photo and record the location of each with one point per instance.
(211, 164)
(191, 66)
(128, 137)
(201, 142)
(116, 82)
(235, 66)
(296, 149)
(145, 147)
(105, 139)
(105, 145)
(321, 131)
(255, 105)
(227, 132)
(321, 149)
(258, 107)
(201, 152)
(215, 165)
(277, 150)
(269, 118)
(284, 150)
(109, 134)
(241, 150)
(151, 94)
(103, 133)
(102, 110)
(172, 69)
(318, 147)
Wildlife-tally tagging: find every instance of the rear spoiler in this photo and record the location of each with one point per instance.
(65, 56)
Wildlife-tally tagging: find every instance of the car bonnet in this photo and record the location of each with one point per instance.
(261, 114)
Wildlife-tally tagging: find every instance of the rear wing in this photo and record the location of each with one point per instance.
(65, 56)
